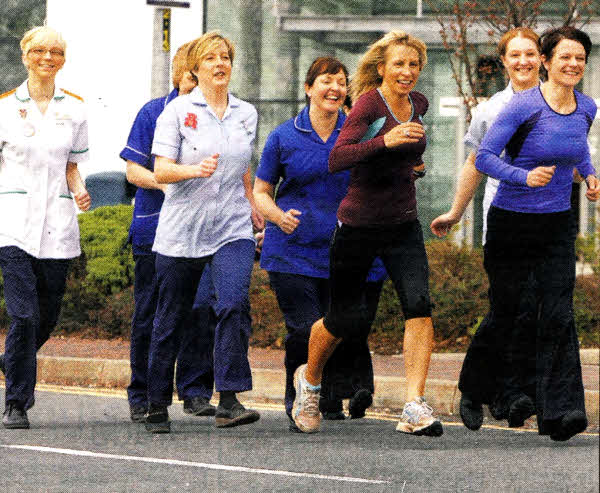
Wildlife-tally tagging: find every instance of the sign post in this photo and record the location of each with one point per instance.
(161, 45)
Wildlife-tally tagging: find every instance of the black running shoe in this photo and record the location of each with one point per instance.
(520, 409)
(359, 403)
(471, 413)
(236, 416)
(157, 420)
(571, 423)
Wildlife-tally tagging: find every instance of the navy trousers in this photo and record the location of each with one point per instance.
(33, 292)
(303, 300)
(194, 375)
(178, 279)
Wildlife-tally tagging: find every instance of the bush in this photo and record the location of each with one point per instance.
(99, 297)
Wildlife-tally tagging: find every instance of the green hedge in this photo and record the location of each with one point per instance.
(99, 297)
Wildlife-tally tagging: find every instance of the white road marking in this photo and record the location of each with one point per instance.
(203, 465)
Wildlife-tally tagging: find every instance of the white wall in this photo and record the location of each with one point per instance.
(109, 64)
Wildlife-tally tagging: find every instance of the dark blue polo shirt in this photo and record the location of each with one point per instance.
(295, 154)
(139, 150)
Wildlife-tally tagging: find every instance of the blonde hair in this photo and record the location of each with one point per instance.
(204, 44)
(40, 34)
(179, 64)
(367, 77)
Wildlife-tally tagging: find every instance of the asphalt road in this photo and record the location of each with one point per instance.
(85, 442)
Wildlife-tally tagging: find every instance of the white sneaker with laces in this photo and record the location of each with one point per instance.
(417, 419)
(306, 412)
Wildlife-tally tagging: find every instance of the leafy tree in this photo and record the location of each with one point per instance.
(459, 18)
(16, 17)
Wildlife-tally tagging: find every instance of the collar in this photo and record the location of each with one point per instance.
(22, 93)
(197, 97)
(172, 95)
(302, 121)
(510, 89)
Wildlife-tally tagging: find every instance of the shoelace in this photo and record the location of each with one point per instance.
(311, 403)
(414, 410)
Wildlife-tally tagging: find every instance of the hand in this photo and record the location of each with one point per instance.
(208, 166)
(258, 221)
(419, 171)
(288, 222)
(83, 200)
(405, 133)
(260, 238)
(540, 176)
(441, 225)
(593, 191)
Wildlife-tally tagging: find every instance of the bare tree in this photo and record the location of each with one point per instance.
(459, 18)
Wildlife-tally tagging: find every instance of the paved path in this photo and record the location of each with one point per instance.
(104, 363)
(86, 443)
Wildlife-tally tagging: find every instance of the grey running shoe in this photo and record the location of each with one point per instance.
(138, 413)
(306, 404)
(15, 417)
(417, 419)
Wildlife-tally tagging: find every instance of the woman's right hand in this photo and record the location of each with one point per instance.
(405, 133)
(540, 176)
(207, 166)
(288, 222)
(441, 225)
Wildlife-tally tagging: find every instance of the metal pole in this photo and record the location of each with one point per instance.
(161, 52)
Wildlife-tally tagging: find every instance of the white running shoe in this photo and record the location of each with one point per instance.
(306, 404)
(417, 419)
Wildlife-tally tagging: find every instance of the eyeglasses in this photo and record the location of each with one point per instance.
(40, 52)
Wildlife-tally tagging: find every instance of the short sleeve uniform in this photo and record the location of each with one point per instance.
(200, 215)
(39, 214)
(295, 157)
(139, 150)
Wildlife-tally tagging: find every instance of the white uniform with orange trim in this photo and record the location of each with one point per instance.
(37, 211)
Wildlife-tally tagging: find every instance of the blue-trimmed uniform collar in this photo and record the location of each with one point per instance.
(22, 93)
(302, 121)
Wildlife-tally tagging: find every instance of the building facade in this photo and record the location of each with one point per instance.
(278, 39)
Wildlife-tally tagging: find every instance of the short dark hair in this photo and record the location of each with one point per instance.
(552, 37)
(323, 65)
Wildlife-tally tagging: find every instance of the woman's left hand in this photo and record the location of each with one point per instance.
(83, 200)
(593, 191)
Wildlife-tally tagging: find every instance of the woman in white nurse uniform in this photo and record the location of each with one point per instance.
(43, 135)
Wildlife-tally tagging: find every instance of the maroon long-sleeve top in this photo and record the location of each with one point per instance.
(382, 186)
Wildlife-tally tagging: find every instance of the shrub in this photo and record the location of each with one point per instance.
(99, 297)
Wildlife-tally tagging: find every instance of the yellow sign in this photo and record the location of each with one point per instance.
(166, 30)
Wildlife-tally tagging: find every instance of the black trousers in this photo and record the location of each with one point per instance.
(530, 262)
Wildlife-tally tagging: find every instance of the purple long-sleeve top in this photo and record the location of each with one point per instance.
(533, 134)
(382, 186)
